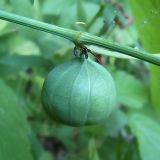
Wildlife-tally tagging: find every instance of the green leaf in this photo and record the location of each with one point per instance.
(24, 8)
(108, 151)
(71, 12)
(81, 15)
(108, 128)
(130, 91)
(148, 135)
(147, 21)
(24, 61)
(38, 150)
(116, 122)
(126, 36)
(48, 49)
(37, 9)
(2, 25)
(55, 7)
(155, 87)
(64, 134)
(93, 154)
(90, 6)
(109, 14)
(2, 4)
(5, 29)
(118, 148)
(14, 130)
(103, 51)
(22, 46)
(16, 63)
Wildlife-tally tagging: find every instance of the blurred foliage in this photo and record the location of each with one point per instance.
(148, 22)
(26, 56)
(147, 133)
(11, 117)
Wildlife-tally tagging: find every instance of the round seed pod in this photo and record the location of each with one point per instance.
(79, 92)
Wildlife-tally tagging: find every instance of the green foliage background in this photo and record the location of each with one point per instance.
(132, 132)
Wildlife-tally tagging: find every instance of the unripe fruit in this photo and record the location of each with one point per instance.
(79, 92)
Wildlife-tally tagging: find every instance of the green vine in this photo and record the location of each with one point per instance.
(81, 38)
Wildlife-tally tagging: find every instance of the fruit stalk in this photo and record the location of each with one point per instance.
(79, 38)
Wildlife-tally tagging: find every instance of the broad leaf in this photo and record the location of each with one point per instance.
(14, 130)
(130, 91)
(55, 7)
(147, 21)
(23, 46)
(16, 63)
(24, 61)
(148, 135)
(24, 9)
(112, 126)
(116, 122)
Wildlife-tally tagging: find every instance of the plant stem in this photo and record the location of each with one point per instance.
(79, 38)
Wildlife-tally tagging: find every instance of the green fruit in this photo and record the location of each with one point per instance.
(79, 92)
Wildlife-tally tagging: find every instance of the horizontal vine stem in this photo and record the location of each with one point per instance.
(81, 38)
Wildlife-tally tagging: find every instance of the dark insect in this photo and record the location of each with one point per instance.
(84, 53)
(75, 51)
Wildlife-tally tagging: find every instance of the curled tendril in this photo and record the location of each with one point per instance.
(83, 52)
